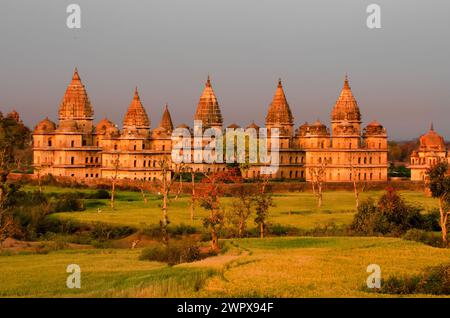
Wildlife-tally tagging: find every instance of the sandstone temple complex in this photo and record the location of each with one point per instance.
(76, 147)
(431, 151)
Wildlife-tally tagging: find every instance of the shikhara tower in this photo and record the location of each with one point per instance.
(77, 148)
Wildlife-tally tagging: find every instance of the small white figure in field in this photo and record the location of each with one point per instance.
(135, 243)
(99, 210)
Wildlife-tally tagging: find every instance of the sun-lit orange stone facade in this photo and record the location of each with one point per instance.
(77, 148)
(431, 151)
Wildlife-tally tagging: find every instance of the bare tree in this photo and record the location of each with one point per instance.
(209, 198)
(358, 186)
(241, 208)
(191, 171)
(37, 169)
(318, 175)
(116, 165)
(141, 185)
(165, 190)
(168, 175)
(263, 202)
(179, 170)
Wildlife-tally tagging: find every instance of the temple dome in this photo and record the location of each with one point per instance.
(374, 128)
(76, 104)
(254, 126)
(303, 129)
(208, 110)
(183, 126)
(346, 107)
(432, 141)
(68, 125)
(233, 126)
(136, 116)
(318, 128)
(45, 126)
(105, 126)
(279, 112)
(166, 120)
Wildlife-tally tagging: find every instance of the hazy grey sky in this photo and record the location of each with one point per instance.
(400, 74)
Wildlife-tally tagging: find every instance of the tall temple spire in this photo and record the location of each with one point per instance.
(166, 119)
(346, 84)
(279, 112)
(136, 116)
(208, 110)
(76, 76)
(75, 104)
(346, 107)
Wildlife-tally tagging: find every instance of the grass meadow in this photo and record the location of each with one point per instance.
(272, 267)
(297, 209)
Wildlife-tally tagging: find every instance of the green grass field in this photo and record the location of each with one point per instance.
(295, 209)
(275, 267)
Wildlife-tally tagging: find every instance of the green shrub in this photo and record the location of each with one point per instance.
(103, 232)
(182, 229)
(366, 218)
(99, 194)
(173, 253)
(425, 237)
(434, 280)
(69, 202)
(431, 221)
(390, 216)
(155, 231)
